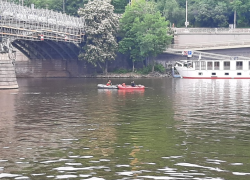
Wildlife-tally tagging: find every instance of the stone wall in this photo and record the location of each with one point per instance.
(201, 38)
(61, 68)
(75, 68)
(7, 73)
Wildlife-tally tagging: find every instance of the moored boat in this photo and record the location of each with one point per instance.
(128, 87)
(214, 69)
(104, 86)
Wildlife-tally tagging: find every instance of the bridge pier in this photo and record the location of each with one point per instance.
(7, 73)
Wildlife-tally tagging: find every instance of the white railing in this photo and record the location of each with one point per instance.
(210, 45)
(208, 55)
(210, 30)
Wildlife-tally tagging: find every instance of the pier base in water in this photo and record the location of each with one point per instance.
(7, 73)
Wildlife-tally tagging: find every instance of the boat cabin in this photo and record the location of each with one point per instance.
(216, 64)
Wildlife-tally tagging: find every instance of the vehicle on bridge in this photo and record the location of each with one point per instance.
(214, 69)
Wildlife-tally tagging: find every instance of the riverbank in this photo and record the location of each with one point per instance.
(132, 75)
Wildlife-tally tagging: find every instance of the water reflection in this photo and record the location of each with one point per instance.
(214, 114)
(178, 129)
(131, 93)
(213, 100)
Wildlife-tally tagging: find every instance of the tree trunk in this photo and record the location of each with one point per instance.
(133, 66)
(153, 64)
(106, 67)
(102, 67)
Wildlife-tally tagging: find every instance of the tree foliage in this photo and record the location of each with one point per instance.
(201, 13)
(70, 6)
(152, 35)
(119, 5)
(172, 11)
(144, 31)
(101, 29)
(209, 14)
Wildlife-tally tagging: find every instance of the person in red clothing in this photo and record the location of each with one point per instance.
(109, 83)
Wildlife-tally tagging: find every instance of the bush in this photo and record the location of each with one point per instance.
(145, 70)
(160, 68)
(148, 69)
(121, 71)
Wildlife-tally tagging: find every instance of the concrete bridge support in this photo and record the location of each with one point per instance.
(7, 73)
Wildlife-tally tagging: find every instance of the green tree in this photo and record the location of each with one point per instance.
(119, 5)
(101, 30)
(143, 31)
(209, 13)
(172, 11)
(152, 36)
(70, 6)
(242, 12)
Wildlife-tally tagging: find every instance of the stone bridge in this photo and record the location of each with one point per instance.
(210, 38)
(38, 34)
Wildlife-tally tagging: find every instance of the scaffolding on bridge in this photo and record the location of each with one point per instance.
(20, 22)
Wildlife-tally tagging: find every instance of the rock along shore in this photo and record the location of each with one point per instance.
(131, 75)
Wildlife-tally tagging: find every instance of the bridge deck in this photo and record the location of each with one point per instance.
(206, 55)
(20, 22)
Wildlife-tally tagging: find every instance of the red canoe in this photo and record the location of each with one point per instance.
(130, 87)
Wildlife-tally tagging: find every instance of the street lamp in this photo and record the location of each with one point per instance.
(186, 23)
(234, 19)
(22, 2)
(63, 6)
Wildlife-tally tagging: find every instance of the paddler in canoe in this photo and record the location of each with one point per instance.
(109, 83)
(133, 84)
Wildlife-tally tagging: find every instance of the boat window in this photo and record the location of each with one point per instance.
(227, 65)
(216, 65)
(178, 64)
(239, 65)
(210, 65)
(203, 65)
(226, 74)
(190, 64)
(200, 73)
(197, 65)
(238, 74)
(213, 74)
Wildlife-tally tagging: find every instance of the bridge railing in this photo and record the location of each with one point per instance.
(207, 55)
(210, 45)
(25, 23)
(210, 30)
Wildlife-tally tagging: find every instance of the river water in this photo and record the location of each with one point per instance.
(175, 129)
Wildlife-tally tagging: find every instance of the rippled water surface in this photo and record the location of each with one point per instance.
(175, 129)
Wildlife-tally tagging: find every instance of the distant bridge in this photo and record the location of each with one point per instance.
(32, 30)
(203, 39)
(39, 34)
(210, 38)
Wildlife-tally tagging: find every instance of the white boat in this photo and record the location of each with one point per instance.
(214, 69)
(104, 86)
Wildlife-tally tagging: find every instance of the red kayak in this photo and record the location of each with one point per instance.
(130, 87)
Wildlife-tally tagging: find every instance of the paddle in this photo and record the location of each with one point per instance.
(149, 88)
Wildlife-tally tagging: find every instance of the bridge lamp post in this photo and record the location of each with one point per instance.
(234, 19)
(22, 2)
(186, 22)
(63, 6)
